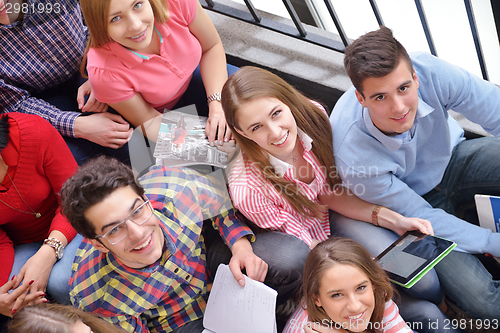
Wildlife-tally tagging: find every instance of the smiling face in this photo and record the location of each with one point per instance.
(143, 245)
(268, 122)
(131, 23)
(392, 100)
(346, 295)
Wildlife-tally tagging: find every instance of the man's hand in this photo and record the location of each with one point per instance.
(243, 257)
(92, 105)
(404, 224)
(105, 129)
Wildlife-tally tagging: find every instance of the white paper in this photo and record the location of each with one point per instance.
(232, 308)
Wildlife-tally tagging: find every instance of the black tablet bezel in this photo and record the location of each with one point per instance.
(406, 280)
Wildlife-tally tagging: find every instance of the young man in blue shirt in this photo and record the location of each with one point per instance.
(395, 145)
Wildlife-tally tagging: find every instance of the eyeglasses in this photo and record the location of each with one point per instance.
(140, 215)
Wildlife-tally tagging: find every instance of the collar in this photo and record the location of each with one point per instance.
(282, 167)
(131, 58)
(393, 143)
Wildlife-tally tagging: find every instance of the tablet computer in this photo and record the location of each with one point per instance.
(408, 259)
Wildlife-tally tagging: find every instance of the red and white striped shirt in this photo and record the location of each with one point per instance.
(391, 321)
(264, 205)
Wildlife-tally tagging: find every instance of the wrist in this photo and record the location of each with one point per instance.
(385, 217)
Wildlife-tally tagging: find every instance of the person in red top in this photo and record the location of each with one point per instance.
(34, 163)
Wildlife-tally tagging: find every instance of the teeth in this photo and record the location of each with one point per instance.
(140, 35)
(356, 317)
(143, 245)
(282, 140)
(1, 9)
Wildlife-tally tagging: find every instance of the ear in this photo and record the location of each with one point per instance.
(98, 245)
(317, 301)
(240, 132)
(360, 98)
(415, 77)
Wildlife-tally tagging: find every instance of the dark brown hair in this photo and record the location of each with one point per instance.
(250, 83)
(339, 250)
(56, 318)
(96, 17)
(91, 184)
(4, 131)
(375, 54)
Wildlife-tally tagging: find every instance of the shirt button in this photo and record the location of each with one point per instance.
(39, 41)
(55, 59)
(67, 72)
(188, 277)
(176, 270)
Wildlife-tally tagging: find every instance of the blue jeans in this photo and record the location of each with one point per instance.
(284, 254)
(474, 168)
(57, 286)
(63, 97)
(420, 305)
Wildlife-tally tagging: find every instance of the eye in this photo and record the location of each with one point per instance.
(115, 19)
(138, 5)
(255, 128)
(137, 211)
(403, 89)
(361, 288)
(115, 229)
(276, 113)
(336, 295)
(380, 98)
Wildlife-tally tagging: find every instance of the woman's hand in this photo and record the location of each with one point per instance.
(216, 128)
(19, 297)
(92, 104)
(38, 268)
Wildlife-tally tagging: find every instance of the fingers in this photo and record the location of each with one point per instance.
(427, 226)
(80, 96)
(210, 131)
(229, 135)
(8, 285)
(235, 268)
(116, 118)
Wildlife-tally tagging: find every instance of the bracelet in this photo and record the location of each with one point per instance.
(375, 215)
(214, 97)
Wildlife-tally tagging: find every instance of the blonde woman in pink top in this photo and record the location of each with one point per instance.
(147, 55)
(286, 178)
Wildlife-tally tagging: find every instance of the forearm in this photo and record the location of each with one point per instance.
(213, 69)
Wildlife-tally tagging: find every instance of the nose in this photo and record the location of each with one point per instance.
(354, 305)
(134, 231)
(274, 131)
(134, 23)
(398, 104)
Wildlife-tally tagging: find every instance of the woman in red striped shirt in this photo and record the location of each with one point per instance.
(286, 178)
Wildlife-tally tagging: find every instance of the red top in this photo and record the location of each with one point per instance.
(39, 162)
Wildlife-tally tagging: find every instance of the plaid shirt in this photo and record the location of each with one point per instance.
(39, 52)
(172, 291)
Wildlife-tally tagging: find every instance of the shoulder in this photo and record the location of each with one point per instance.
(182, 10)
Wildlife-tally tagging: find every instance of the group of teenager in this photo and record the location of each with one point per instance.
(308, 202)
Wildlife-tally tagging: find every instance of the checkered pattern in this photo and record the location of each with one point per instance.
(39, 52)
(173, 291)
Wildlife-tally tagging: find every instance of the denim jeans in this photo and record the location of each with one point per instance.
(63, 97)
(57, 286)
(195, 326)
(284, 254)
(474, 168)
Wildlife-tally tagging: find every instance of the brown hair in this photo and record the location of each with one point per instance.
(92, 183)
(250, 83)
(375, 54)
(340, 250)
(56, 318)
(96, 12)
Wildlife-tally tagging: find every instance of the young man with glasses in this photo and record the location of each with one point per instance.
(142, 264)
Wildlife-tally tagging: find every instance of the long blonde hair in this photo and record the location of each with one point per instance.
(96, 12)
(250, 83)
(339, 250)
